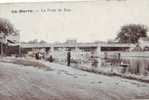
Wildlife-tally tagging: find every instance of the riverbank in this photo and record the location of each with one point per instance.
(20, 82)
(108, 71)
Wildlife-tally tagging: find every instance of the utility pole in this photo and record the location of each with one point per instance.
(20, 53)
(1, 41)
(1, 49)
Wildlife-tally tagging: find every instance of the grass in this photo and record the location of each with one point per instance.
(27, 62)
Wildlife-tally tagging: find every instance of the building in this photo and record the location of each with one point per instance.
(10, 44)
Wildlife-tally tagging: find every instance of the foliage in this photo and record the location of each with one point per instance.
(42, 41)
(131, 33)
(33, 41)
(6, 27)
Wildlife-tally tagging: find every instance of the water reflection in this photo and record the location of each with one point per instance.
(138, 65)
(127, 62)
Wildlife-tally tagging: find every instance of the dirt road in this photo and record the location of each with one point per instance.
(18, 82)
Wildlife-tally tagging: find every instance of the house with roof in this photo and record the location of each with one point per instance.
(9, 45)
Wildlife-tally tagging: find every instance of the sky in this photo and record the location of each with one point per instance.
(86, 21)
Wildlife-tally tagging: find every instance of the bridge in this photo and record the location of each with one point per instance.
(90, 46)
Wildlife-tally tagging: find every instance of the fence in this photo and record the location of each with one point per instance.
(138, 62)
(76, 56)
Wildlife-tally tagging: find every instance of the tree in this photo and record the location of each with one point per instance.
(42, 42)
(6, 29)
(33, 41)
(131, 33)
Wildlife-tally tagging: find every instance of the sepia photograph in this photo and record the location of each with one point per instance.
(78, 50)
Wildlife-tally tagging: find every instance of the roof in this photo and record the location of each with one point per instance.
(9, 41)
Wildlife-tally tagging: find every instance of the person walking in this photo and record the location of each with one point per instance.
(68, 57)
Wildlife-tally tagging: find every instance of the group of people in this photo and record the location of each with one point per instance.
(49, 57)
